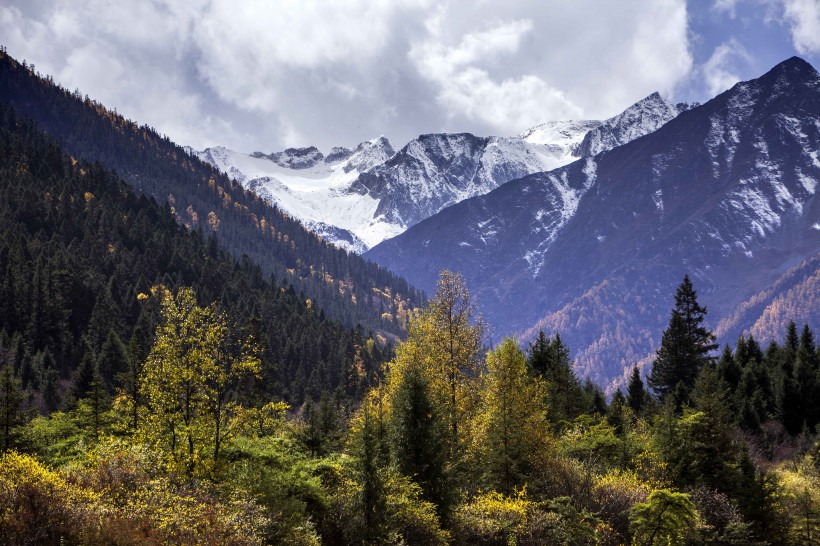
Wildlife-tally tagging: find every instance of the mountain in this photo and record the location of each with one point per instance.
(346, 287)
(313, 187)
(358, 198)
(725, 192)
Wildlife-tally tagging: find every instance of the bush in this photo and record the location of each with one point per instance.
(38, 506)
(494, 519)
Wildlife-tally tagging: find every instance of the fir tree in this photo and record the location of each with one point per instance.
(685, 347)
(635, 392)
(418, 438)
(11, 408)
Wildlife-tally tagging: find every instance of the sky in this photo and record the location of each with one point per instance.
(263, 75)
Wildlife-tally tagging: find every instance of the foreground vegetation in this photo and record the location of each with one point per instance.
(456, 445)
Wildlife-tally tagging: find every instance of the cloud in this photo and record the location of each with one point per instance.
(260, 75)
(803, 17)
(514, 73)
(466, 89)
(721, 70)
(726, 6)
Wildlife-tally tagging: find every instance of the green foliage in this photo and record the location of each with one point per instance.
(187, 382)
(495, 519)
(12, 414)
(549, 359)
(511, 428)
(666, 518)
(418, 438)
(636, 395)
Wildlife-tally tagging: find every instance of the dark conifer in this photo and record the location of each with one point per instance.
(635, 392)
(685, 347)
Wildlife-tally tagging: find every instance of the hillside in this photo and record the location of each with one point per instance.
(81, 258)
(346, 287)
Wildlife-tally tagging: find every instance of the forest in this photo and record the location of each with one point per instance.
(157, 389)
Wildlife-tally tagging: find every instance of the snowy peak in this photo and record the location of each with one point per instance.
(564, 136)
(294, 158)
(642, 118)
(367, 155)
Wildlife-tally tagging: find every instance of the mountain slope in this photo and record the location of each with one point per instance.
(724, 192)
(358, 204)
(345, 286)
(81, 256)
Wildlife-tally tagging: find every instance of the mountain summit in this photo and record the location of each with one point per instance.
(725, 192)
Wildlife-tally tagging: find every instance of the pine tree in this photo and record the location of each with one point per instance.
(112, 360)
(685, 347)
(369, 465)
(787, 391)
(635, 392)
(615, 417)
(549, 360)
(806, 378)
(11, 408)
(666, 518)
(418, 438)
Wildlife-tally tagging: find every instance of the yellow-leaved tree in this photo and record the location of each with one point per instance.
(445, 342)
(187, 382)
(511, 428)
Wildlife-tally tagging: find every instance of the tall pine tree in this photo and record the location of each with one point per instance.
(685, 347)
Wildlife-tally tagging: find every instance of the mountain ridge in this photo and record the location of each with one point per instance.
(379, 200)
(723, 187)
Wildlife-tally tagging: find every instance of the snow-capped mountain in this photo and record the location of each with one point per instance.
(639, 119)
(724, 192)
(358, 198)
(315, 188)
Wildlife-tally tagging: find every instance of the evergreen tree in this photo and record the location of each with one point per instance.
(369, 464)
(789, 409)
(685, 347)
(549, 360)
(11, 408)
(418, 438)
(92, 408)
(806, 379)
(615, 417)
(112, 360)
(666, 518)
(635, 392)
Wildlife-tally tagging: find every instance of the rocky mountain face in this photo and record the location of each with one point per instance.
(358, 198)
(725, 192)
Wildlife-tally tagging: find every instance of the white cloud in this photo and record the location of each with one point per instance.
(725, 6)
(803, 17)
(517, 72)
(466, 89)
(721, 70)
(260, 75)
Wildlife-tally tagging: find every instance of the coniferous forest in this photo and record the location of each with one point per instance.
(156, 389)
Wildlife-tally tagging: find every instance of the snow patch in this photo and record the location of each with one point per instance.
(658, 198)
